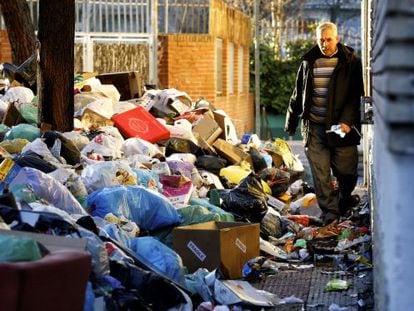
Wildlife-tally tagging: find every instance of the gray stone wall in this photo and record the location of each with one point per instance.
(393, 153)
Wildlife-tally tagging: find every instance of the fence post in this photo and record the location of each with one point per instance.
(87, 54)
(153, 48)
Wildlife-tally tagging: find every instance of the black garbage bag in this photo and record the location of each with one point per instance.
(68, 150)
(46, 222)
(247, 201)
(179, 145)
(211, 163)
(147, 286)
(32, 159)
(277, 179)
(259, 162)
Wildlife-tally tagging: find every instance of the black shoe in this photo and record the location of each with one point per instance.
(351, 201)
(329, 218)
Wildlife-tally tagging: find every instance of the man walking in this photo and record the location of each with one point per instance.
(326, 97)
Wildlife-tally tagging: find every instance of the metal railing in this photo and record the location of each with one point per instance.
(131, 21)
(134, 16)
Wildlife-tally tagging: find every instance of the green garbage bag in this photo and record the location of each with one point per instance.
(18, 249)
(222, 214)
(29, 112)
(23, 130)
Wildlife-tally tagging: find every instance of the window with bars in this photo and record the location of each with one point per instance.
(230, 68)
(219, 66)
(241, 69)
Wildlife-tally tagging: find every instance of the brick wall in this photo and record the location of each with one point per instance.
(187, 63)
(5, 48)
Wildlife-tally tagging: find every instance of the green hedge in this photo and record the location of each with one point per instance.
(277, 74)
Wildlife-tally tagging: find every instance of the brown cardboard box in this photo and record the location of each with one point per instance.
(203, 144)
(12, 116)
(228, 130)
(230, 152)
(208, 129)
(214, 244)
(128, 84)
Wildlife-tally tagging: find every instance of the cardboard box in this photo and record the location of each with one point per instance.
(207, 128)
(214, 244)
(140, 123)
(228, 130)
(128, 84)
(231, 152)
(12, 116)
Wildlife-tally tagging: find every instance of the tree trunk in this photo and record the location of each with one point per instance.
(56, 35)
(20, 28)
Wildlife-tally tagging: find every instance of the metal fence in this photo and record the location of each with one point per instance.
(134, 16)
(100, 22)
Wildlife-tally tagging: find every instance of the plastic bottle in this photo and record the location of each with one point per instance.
(306, 205)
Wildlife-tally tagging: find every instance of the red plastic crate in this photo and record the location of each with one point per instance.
(140, 123)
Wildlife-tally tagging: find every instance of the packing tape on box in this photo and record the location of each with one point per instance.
(240, 245)
(196, 251)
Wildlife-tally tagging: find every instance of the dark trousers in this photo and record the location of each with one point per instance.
(342, 162)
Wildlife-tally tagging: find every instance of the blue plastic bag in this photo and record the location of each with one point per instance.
(158, 257)
(149, 209)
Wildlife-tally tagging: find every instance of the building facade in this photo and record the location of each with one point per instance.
(200, 47)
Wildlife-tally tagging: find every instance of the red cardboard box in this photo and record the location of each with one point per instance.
(140, 123)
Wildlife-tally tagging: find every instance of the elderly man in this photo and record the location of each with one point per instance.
(326, 97)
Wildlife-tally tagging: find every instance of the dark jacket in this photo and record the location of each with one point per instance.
(344, 92)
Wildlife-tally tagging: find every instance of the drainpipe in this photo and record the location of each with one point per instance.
(257, 67)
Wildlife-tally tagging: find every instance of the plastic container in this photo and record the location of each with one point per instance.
(306, 205)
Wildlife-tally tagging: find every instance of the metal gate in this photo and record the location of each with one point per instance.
(131, 22)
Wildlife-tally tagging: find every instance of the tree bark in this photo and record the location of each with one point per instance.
(56, 35)
(20, 28)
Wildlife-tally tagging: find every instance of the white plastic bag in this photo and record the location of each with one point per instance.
(77, 138)
(108, 173)
(107, 144)
(47, 188)
(18, 94)
(136, 145)
(39, 147)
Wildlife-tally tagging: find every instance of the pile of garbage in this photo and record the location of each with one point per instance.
(135, 178)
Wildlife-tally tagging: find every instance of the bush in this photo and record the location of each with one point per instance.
(277, 75)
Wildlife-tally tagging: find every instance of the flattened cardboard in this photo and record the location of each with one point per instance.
(228, 130)
(211, 245)
(232, 153)
(208, 129)
(12, 116)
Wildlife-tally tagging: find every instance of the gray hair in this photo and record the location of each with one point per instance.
(326, 25)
